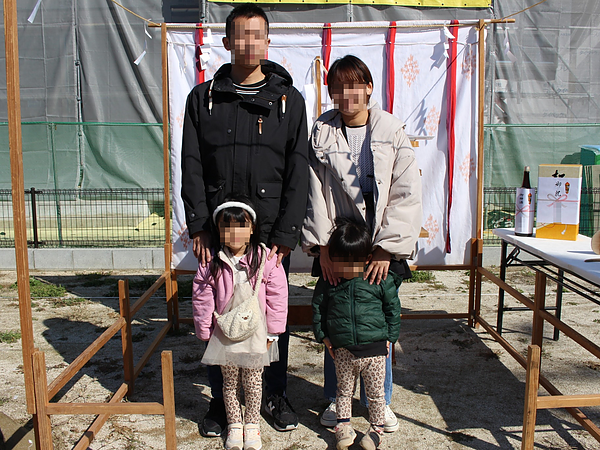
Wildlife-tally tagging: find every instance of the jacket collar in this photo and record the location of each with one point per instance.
(278, 80)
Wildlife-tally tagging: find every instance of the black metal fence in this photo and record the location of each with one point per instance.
(87, 218)
(136, 217)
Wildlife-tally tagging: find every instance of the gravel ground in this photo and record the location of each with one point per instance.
(454, 387)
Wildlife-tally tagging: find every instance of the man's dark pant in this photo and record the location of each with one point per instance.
(275, 374)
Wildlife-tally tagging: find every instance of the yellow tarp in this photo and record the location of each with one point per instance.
(420, 3)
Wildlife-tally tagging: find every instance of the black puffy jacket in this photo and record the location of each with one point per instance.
(251, 145)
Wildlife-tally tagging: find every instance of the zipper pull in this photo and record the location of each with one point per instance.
(283, 99)
(260, 122)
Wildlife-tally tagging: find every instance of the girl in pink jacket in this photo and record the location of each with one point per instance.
(239, 272)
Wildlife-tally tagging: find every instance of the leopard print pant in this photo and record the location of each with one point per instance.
(251, 380)
(347, 368)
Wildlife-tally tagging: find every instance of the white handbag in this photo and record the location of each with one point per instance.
(241, 321)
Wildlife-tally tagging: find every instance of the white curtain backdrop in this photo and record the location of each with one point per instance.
(420, 100)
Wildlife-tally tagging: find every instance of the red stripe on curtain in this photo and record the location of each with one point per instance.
(326, 48)
(451, 115)
(391, 73)
(199, 40)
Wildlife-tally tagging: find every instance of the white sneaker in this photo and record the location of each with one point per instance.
(329, 416)
(391, 421)
(252, 440)
(235, 437)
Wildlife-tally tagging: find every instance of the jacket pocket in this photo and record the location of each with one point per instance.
(268, 190)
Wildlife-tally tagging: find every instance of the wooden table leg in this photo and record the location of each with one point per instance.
(539, 300)
(531, 390)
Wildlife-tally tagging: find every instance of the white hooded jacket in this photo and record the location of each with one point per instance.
(334, 188)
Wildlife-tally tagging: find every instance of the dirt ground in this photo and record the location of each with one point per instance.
(454, 387)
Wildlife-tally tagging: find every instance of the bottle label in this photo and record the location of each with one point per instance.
(524, 211)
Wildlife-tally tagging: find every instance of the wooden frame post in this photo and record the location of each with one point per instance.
(477, 253)
(13, 98)
(531, 389)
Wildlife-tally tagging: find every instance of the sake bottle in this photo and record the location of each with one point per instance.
(525, 207)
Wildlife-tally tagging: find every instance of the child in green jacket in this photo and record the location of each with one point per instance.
(356, 321)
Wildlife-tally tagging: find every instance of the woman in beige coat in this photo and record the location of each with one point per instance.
(362, 166)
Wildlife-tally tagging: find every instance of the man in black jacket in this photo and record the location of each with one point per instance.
(245, 132)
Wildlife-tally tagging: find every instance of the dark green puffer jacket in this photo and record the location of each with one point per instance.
(355, 312)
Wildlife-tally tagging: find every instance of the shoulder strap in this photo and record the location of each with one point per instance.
(261, 269)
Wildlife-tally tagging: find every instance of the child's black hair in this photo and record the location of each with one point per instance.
(239, 215)
(350, 240)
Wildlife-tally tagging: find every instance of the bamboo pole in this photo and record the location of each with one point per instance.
(166, 147)
(319, 104)
(13, 98)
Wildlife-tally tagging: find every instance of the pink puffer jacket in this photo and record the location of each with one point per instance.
(209, 295)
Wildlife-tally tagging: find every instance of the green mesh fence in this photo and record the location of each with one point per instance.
(509, 148)
(58, 155)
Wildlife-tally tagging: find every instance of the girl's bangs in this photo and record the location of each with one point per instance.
(238, 215)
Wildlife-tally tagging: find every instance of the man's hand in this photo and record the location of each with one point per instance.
(202, 247)
(281, 250)
(329, 347)
(269, 343)
(327, 266)
(378, 266)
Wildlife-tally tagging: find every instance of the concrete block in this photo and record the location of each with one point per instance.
(53, 259)
(158, 258)
(132, 258)
(7, 259)
(92, 259)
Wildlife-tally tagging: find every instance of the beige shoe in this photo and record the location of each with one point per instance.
(252, 440)
(344, 435)
(372, 438)
(235, 437)
(391, 421)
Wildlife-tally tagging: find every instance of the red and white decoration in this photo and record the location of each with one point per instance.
(425, 73)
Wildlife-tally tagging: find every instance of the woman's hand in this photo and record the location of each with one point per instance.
(378, 267)
(269, 343)
(329, 347)
(327, 266)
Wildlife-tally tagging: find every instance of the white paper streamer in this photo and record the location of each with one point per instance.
(507, 51)
(139, 58)
(208, 40)
(34, 12)
(448, 34)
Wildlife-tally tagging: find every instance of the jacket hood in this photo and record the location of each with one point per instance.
(268, 67)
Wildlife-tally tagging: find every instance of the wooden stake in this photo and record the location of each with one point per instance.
(531, 390)
(41, 401)
(169, 399)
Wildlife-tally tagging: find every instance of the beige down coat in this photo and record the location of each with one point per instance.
(334, 188)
